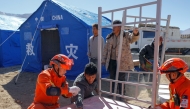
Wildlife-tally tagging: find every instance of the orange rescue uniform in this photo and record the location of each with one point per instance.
(182, 88)
(48, 78)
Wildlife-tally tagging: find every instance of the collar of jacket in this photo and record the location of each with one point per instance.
(178, 82)
(53, 74)
(112, 34)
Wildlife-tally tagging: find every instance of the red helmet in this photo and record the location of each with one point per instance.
(174, 65)
(62, 61)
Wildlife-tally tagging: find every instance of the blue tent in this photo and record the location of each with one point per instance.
(10, 50)
(58, 28)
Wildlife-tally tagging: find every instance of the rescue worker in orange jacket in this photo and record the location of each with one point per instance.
(179, 86)
(51, 83)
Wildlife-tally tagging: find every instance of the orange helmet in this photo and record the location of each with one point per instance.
(62, 61)
(174, 65)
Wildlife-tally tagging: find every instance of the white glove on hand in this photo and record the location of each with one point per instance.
(74, 90)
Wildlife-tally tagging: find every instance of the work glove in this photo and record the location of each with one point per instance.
(74, 90)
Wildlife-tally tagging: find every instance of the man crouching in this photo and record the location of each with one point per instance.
(87, 82)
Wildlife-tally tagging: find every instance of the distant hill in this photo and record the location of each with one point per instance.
(181, 31)
(16, 15)
(187, 31)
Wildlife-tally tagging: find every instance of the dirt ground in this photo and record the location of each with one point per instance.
(20, 95)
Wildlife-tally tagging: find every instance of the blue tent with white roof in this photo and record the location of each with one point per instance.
(58, 28)
(10, 50)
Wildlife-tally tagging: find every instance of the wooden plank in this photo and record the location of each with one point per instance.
(166, 91)
(136, 62)
(97, 102)
(163, 86)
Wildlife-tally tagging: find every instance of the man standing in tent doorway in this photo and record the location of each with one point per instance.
(111, 49)
(93, 45)
(51, 83)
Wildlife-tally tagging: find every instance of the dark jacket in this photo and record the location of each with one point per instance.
(148, 52)
(86, 89)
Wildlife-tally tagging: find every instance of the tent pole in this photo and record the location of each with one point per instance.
(99, 46)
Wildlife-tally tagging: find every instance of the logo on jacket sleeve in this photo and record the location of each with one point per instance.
(184, 101)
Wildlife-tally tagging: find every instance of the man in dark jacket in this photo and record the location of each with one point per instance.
(87, 82)
(146, 54)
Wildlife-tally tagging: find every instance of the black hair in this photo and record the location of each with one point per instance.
(90, 69)
(95, 25)
(116, 22)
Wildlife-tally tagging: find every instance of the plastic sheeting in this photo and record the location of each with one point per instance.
(97, 102)
(88, 17)
(10, 22)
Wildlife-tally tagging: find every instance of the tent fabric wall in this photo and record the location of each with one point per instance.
(10, 51)
(75, 28)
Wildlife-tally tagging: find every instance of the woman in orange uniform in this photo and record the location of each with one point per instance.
(51, 83)
(179, 86)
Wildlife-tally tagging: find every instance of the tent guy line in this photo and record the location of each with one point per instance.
(31, 44)
(8, 38)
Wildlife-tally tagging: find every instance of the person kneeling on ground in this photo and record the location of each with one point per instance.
(174, 69)
(51, 83)
(87, 82)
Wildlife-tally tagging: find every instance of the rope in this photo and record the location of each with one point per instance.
(8, 38)
(31, 42)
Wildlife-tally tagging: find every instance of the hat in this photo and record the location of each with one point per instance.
(116, 22)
